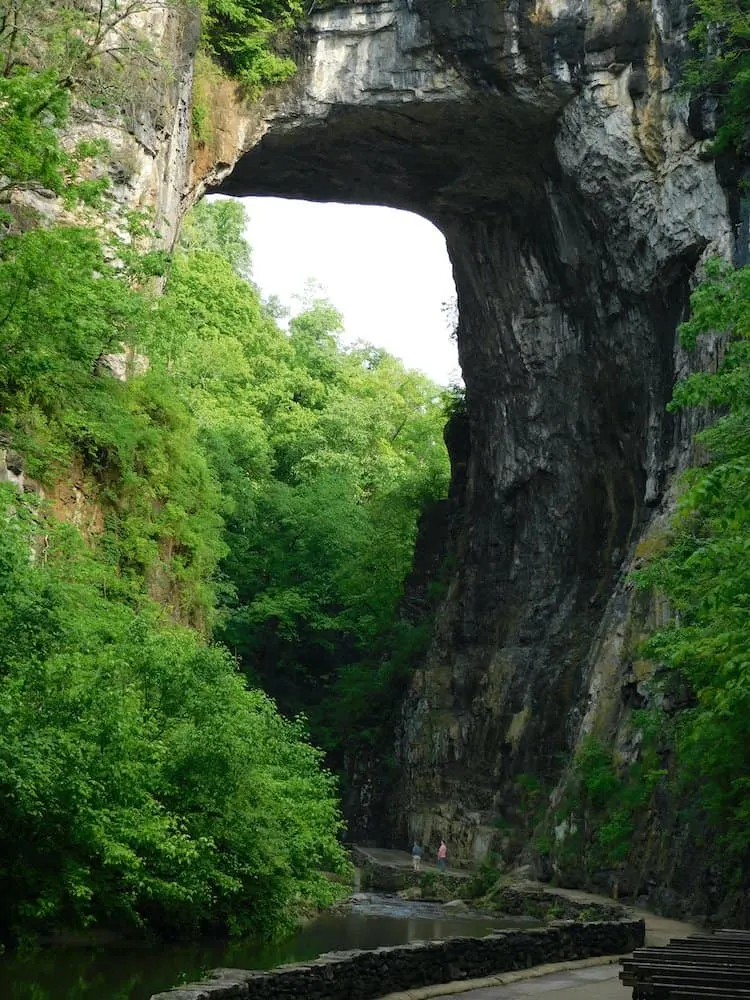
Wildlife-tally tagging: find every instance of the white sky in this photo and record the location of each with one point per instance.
(386, 271)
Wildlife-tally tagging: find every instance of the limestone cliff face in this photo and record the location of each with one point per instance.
(151, 140)
(147, 164)
(146, 129)
(548, 142)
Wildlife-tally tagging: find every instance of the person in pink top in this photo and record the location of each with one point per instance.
(442, 853)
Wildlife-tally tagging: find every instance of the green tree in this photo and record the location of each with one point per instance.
(705, 571)
(241, 34)
(134, 763)
(103, 52)
(721, 35)
(327, 457)
(32, 108)
(62, 306)
(219, 227)
(141, 782)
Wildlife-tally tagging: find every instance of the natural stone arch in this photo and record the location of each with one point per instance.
(546, 142)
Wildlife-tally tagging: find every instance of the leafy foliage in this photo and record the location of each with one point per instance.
(100, 51)
(604, 803)
(103, 704)
(62, 306)
(266, 481)
(219, 228)
(240, 34)
(32, 108)
(721, 34)
(705, 572)
(141, 781)
(327, 457)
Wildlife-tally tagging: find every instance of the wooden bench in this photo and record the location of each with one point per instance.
(703, 965)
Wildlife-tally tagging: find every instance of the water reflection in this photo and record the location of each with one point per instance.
(136, 972)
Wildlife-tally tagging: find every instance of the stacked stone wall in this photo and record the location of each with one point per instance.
(370, 974)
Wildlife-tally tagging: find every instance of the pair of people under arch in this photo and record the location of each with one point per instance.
(417, 851)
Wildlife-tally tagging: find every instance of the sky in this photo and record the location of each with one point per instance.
(386, 271)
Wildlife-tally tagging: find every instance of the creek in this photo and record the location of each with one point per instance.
(136, 971)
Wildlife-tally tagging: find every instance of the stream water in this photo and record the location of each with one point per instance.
(135, 972)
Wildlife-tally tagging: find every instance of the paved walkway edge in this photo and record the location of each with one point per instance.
(502, 979)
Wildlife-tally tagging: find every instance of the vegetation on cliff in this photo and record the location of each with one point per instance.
(689, 770)
(692, 772)
(106, 55)
(142, 783)
(242, 35)
(302, 465)
(242, 482)
(721, 69)
(326, 457)
(705, 573)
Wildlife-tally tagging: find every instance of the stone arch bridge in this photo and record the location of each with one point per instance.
(548, 142)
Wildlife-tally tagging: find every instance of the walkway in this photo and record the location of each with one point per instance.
(658, 929)
(593, 979)
(598, 982)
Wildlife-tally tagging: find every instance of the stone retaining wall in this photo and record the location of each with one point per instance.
(433, 883)
(369, 974)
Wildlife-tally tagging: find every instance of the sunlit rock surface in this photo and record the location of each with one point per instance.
(146, 134)
(548, 142)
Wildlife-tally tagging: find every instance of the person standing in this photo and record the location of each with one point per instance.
(442, 854)
(416, 856)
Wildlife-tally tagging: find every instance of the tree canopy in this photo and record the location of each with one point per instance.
(243, 36)
(704, 570)
(327, 456)
(720, 35)
(142, 783)
(240, 482)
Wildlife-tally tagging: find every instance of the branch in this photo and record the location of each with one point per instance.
(13, 305)
(9, 59)
(99, 20)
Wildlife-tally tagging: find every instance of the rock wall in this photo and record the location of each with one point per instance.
(549, 144)
(548, 141)
(146, 124)
(380, 875)
(151, 139)
(567, 347)
(366, 974)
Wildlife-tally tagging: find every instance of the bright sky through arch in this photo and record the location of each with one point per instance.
(386, 271)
